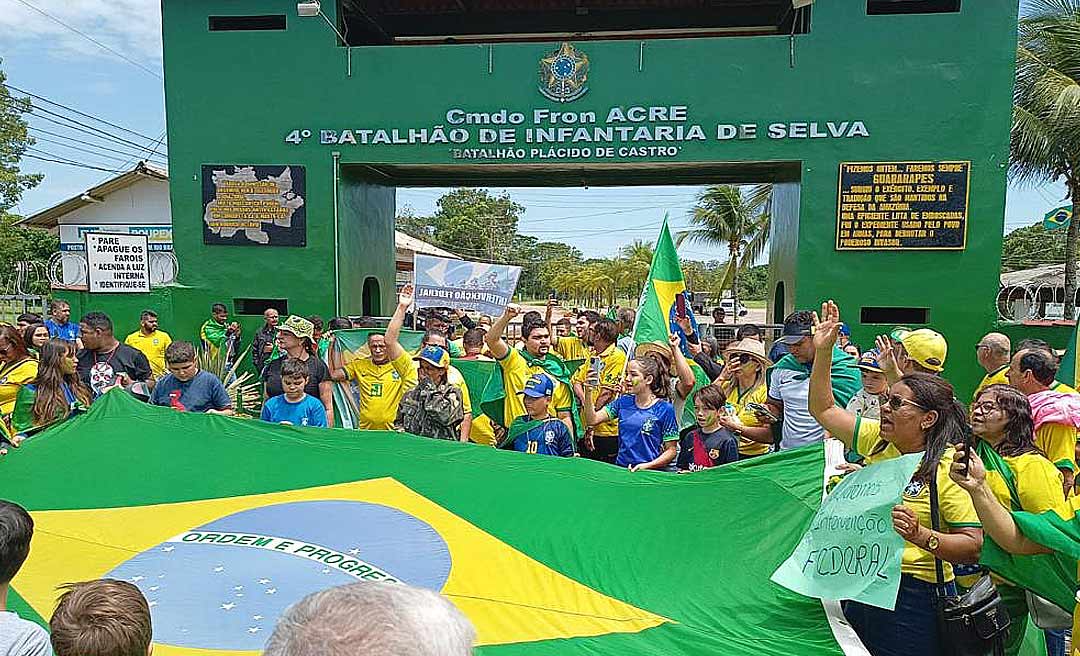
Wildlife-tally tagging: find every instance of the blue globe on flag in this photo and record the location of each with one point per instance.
(223, 585)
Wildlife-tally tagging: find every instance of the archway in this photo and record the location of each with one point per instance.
(371, 303)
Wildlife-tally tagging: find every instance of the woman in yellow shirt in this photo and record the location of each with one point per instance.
(1020, 476)
(920, 415)
(743, 382)
(17, 368)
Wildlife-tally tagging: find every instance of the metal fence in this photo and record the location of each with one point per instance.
(12, 305)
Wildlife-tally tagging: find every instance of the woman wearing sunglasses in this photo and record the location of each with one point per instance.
(1020, 476)
(743, 383)
(920, 414)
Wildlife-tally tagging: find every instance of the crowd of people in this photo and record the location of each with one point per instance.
(579, 385)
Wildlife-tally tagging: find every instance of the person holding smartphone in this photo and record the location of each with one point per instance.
(1020, 476)
(606, 365)
(921, 414)
(743, 386)
(648, 429)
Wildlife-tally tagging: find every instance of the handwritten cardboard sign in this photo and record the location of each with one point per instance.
(850, 551)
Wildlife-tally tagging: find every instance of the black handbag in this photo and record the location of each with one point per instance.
(974, 623)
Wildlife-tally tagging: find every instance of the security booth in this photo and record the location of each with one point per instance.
(883, 125)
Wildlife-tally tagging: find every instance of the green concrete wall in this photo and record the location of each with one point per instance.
(366, 229)
(928, 87)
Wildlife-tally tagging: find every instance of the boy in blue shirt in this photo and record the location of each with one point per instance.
(294, 407)
(186, 387)
(537, 432)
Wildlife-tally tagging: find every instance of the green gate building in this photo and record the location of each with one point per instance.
(883, 123)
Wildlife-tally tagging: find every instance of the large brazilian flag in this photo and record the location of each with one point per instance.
(223, 522)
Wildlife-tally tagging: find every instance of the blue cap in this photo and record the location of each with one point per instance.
(435, 356)
(844, 330)
(868, 361)
(538, 385)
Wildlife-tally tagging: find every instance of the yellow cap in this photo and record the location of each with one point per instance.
(925, 346)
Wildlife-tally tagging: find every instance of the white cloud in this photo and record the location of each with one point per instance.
(132, 27)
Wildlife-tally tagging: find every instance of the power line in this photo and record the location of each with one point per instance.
(75, 111)
(46, 153)
(100, 134)
(91, 39)
(85, 150)
(70, 163)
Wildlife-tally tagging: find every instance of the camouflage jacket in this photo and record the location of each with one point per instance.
(431, 410)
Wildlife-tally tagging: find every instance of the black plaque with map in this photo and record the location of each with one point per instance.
(254, 205)
(902, 206)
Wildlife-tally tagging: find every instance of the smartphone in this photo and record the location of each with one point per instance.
(596, 365)
(762, 409)
(969, 444)
(680, 306)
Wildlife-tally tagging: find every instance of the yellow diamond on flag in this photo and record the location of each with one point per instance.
(219, 572)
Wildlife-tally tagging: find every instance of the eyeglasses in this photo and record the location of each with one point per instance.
(895, 401)
(981, 346)
(986, 406)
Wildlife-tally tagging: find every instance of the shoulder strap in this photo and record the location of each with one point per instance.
(935, 524)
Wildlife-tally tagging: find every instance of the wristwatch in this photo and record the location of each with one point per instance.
(932, 542)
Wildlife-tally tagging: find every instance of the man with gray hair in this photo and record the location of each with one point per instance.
(993, 352)
(372, 619)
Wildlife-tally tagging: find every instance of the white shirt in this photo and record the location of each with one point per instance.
(19, 637)
(793, 390)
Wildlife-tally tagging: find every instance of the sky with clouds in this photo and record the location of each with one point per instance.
(46, 58)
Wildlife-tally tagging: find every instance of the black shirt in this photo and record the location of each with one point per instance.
(99, 370)
(317, 373)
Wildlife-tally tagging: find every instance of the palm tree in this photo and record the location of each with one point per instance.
(724, 216)
(638, 256)
(1045, 143)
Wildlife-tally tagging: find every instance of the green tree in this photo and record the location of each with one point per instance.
(726, 217)
(1045, 144)
(754, 283)
(420, 227)
(17, 243)
(1032, 246)
(475, 224)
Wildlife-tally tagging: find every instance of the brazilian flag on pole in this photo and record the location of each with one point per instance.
(665, 282)
(656, 315)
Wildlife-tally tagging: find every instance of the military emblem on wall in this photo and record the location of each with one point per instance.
(564, 74)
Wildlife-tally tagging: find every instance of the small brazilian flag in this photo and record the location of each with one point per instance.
(1058, 218)
(664, 284)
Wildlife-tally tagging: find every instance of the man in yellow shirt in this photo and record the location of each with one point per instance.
(383, 378)
(1056, 414)
(572, 347)
(602, 440)
(518, 366)
(992, 352)
(151, 341)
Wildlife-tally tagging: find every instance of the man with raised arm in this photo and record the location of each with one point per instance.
(517, 366)
(384, 377)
